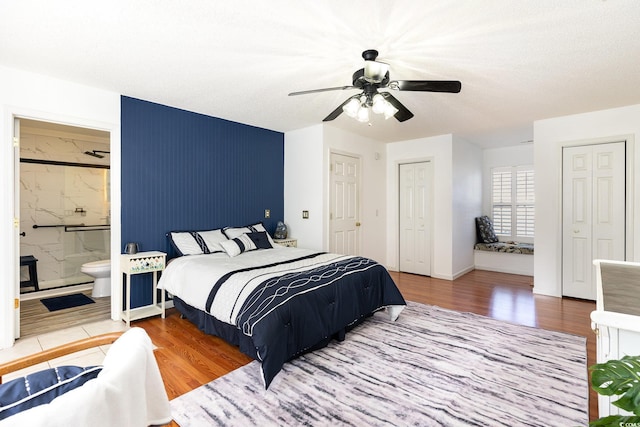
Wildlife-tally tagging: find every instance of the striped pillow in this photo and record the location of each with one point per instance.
(233, 232)
(197, 242)
(240, 244)
(42, 387)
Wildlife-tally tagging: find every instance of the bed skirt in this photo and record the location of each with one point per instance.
(231, 334)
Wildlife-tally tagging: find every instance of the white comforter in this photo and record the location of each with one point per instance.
(191, 278)
(285, 300)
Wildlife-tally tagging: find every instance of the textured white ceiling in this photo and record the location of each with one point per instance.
(518, 61)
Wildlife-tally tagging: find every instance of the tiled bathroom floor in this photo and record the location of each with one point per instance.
(37, 343)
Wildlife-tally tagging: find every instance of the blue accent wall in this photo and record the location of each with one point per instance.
(187, 171)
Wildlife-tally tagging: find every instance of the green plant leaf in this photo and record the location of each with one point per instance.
(619, 378)
(615, 421)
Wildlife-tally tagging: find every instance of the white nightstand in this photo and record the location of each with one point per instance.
(142, 262)
(290, 243)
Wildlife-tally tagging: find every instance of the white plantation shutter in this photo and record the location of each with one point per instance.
(525, 202)
(513, 202)
(501, 201)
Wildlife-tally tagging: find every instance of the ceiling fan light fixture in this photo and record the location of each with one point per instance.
(351, 108)
(378, 104)
(375, 71)
(389, 110)
(363, 114)
(374, 77)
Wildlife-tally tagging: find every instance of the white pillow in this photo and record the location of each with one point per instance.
(213, 238)
(233, 232)
(197, 242)
(240, 244)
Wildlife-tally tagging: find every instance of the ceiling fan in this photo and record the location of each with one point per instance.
(375, 76)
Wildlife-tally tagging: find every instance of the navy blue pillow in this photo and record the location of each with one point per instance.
(42, 387)
(260, 239)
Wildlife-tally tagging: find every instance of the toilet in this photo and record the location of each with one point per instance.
(101, 271)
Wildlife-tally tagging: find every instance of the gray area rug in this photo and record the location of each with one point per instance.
(432, 367)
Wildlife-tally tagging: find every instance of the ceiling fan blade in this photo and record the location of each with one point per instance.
(403, 113)
(304, 92)
(452, 86)
(335, 113)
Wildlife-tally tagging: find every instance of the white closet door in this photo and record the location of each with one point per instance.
(593, 205)
(415, 218)
(344, 226)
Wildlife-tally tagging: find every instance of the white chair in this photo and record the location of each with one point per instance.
(128, 391)
(616, 320)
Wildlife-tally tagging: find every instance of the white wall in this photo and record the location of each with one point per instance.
(306, 186)
(467, 203)
(457, 193)
(373, 212)
(303, 186)
(34, 96)
(549, 136)
(439, 150)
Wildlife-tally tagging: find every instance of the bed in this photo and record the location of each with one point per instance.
(273, 302)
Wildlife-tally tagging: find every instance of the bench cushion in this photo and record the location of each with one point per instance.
(507, 247)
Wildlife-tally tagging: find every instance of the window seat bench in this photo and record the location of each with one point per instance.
(506, 247)
(505, 257)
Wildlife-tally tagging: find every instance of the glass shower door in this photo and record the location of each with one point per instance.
(65, 214)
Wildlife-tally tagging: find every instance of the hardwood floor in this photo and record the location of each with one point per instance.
(189, 358)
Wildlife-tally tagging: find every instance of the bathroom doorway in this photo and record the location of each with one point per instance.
(64, 215)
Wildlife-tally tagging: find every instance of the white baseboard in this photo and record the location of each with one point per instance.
(444, 276)
(463, 272)
(56, 292)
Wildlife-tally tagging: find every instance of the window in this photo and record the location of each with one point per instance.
(513, 202)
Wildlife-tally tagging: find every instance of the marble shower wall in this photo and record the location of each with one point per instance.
(63, 195)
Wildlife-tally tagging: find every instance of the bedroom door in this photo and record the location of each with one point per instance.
(344, 205)
(593, 211)
(415, 218)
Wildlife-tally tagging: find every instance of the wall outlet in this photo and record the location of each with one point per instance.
(267, 213)
(305, 214)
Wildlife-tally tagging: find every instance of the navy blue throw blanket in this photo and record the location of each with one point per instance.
(298, 311)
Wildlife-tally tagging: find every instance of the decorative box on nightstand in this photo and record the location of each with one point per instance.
(142, 262)
(290, 243)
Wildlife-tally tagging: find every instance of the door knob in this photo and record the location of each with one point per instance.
(576, 231)
(357, 224)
